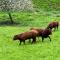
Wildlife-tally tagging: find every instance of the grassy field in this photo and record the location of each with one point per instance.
(47, 5)
(10, 50)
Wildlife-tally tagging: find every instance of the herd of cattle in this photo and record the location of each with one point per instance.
(37, 32)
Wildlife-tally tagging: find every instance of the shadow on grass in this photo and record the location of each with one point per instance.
(8, 23)
(16, 23)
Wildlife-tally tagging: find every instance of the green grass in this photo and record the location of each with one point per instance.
(10, 50)
(47, 5)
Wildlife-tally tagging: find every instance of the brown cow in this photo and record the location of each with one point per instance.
(26, 35)
(38, 30)
(46, 34)
(53, 25)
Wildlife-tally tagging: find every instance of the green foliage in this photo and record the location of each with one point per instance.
(31, 19)
(5, 5)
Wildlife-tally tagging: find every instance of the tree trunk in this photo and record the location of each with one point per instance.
(10, 18)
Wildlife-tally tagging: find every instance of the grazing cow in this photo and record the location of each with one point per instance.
(26, 35)
(53, 25)
(46, 34)
(38, 30)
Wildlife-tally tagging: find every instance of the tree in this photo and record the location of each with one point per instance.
(5, 6)
(15, 5)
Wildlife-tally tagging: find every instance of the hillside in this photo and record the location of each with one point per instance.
(47, 5)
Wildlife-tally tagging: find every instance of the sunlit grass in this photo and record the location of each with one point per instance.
(10, 50)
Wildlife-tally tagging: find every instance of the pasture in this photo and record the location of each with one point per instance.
(11, 50)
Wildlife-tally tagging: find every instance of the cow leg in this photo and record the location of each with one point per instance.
(24, 41)
(42, 39)
(20, 42)
(34, 40)
(57, 27)
(49, 38)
